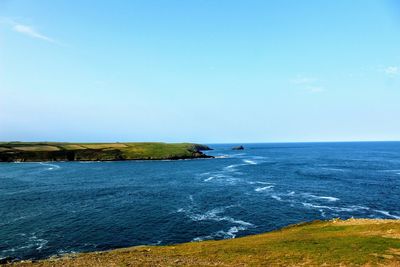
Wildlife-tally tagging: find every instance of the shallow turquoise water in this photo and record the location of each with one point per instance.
(55, 208)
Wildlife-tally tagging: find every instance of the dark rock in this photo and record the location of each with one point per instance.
(238, 148)
(198, 147)
(6, 260)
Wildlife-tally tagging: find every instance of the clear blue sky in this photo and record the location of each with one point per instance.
(204, 70)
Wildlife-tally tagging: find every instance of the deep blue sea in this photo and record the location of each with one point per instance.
(54, 208)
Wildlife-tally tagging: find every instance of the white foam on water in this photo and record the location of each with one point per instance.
(309, 205)
(209, 215)
(232, 167)
(357, 207)
(336, 209)
(251, 162)
(221, 156)
(209, 178)
(201, 238)
(386, 213)
(63, 252)
(229, 234)
(217, 176)
(232, 220)
(51, 166)
(322, 213)
(260, 189)
(41, 243)
(35, 242)
(276, 197)
(328, 198)
(258, 182)
(215, 215)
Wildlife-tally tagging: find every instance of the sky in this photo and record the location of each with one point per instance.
(208, 71)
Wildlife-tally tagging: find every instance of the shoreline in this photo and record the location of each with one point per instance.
(334, 232)
(113, 160)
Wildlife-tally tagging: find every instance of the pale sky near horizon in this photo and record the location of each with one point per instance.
(205, 71)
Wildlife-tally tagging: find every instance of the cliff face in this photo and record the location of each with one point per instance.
(44, 151)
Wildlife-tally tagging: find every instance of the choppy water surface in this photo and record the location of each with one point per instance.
(55, 208)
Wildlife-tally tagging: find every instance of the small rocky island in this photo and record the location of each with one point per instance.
(237, 148)
(55, 151)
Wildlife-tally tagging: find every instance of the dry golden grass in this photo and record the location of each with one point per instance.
(36, 148)
(73, 147)
(103, 146)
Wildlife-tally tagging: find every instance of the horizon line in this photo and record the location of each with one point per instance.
(212, 143)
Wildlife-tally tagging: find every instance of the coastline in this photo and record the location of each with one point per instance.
(58, 152)
(338, 242)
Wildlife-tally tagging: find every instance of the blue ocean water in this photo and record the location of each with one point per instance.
(54, 208)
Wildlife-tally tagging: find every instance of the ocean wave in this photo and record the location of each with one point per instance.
(221, 156)
(229, 234)
(258, 182)
(386, 213)
(215, 215)
(251, 162)
(328, 198)
(32, 242)
(232, 166)
(209, 178)
(323, 214)
(276, 197)
(51, 166)
(336, 209)
(259, 189)
(235, 221)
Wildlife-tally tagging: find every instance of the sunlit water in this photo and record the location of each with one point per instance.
(56, 208)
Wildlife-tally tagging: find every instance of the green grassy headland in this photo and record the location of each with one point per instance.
(57, 151)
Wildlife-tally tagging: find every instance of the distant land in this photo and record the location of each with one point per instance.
(353, 242)
(59, 151)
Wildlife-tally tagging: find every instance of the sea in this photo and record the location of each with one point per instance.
(54, 208)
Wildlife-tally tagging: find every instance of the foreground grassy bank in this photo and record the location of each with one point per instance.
(52, 151)
(354, 242)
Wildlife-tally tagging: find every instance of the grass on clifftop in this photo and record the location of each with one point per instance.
(52, 151)
(354, 242)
